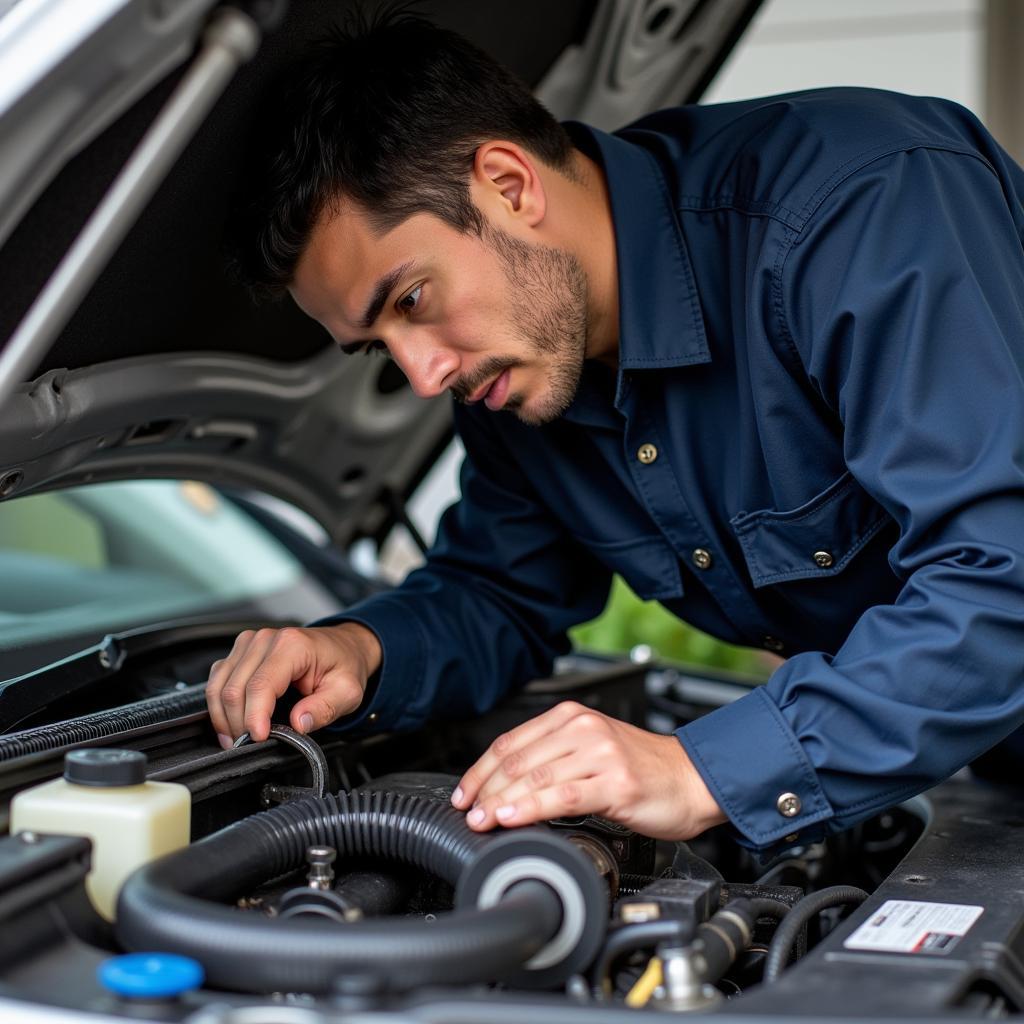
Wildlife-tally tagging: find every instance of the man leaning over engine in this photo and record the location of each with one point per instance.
(762, 359)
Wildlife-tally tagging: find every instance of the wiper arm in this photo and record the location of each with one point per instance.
(26, 695)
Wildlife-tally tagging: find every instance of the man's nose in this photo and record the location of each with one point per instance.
(430, 366)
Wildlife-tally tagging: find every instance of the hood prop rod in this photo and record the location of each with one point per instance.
(230, 39)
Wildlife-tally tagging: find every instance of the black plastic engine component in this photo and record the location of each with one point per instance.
(689, 900)
(35, 868)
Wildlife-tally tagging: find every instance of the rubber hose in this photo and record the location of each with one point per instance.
(761, 906)
(781, 946)
(668, 931)
(102, 724)
(724, 938)
(164, 904)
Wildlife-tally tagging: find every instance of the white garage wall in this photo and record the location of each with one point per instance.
(924, 47)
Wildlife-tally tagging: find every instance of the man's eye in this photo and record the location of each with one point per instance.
(409, 302)
(364, 348)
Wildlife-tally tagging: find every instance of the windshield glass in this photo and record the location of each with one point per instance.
(104, 557)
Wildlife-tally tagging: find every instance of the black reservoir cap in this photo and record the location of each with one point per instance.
(105, 766)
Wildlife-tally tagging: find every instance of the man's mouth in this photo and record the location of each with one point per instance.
(493, 394)
(498, 391)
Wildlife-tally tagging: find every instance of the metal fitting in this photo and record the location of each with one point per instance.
(601, 857)
(320, 859)
(683, 986)
(638, 913)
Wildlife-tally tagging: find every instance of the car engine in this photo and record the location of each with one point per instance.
(328, 879)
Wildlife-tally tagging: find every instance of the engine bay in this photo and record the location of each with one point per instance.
(328, 878)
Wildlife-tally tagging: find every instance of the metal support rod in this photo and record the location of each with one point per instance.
(230, 39)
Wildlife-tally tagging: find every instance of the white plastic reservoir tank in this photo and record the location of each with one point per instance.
(104, 795)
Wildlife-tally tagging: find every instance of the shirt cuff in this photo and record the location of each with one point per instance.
(389, 703)
(755, 768)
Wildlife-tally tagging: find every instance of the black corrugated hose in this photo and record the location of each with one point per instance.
(781, 946)
(164, 905)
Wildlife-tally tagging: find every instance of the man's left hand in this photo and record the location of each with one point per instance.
(573, 760)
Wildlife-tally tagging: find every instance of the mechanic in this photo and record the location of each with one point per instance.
(763, 359)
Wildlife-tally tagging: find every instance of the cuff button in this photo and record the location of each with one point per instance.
(788, 805)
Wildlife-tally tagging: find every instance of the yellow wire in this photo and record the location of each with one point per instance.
(645, 985)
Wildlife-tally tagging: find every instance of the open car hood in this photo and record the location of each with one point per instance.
(326, 434)
(166, 368)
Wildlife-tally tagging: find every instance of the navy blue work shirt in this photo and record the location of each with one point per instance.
(813, 443)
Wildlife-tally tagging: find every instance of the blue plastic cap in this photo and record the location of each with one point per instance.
(150, 975)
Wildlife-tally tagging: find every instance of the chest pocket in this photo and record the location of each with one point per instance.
(647, 564)
(816, 540)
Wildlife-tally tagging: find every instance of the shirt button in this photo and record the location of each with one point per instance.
(772, 643)
(823, 559)
(788, 805)
(701, 558)
(372, 716)
(647, 453)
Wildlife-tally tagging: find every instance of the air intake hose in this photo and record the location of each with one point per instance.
(175, 904)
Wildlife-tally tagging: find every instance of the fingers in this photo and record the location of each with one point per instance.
(573, 761)
(530, 767)
(508, 746)
(346, 656)
(246, 644)
(244, 688)
(336, 695)
(328, 665)
(569, 798)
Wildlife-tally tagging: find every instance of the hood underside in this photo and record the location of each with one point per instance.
(166, 367)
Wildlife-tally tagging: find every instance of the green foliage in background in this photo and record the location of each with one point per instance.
(628, 621)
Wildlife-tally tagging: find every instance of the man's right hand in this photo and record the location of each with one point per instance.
(328, 665)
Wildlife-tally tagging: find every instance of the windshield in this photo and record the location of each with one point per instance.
(104, 557)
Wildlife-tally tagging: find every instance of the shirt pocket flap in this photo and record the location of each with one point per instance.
(647, 564)
(815, 540)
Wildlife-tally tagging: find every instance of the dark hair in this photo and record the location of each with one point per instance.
(387, 113)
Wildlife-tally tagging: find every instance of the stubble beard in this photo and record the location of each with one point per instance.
(548, 295)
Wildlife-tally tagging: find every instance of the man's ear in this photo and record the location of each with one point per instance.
(506, 183)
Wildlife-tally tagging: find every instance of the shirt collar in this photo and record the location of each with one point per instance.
(660, 319)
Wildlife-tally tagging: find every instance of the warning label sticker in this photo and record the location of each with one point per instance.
(912, 926)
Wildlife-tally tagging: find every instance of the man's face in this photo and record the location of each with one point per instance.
(493, 319)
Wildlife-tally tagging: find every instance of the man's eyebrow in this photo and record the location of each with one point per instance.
(383, 289)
